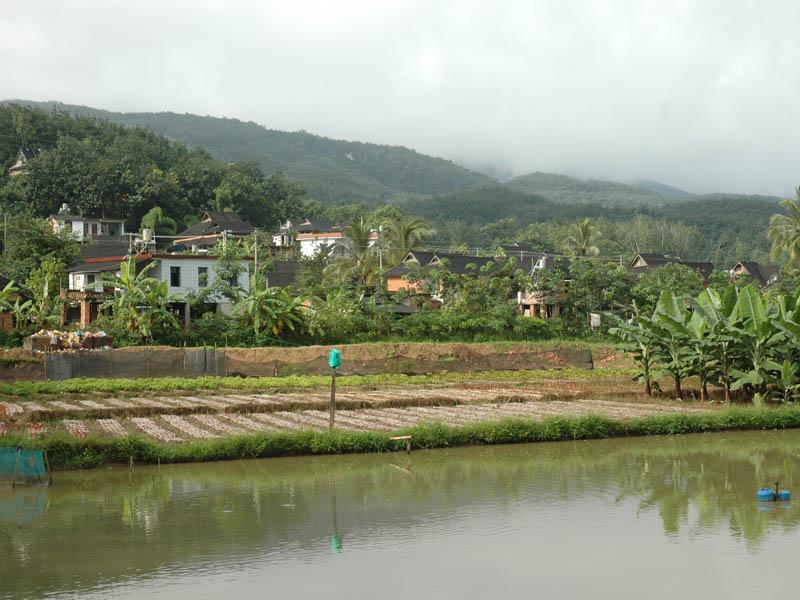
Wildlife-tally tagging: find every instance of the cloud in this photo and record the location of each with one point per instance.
(700, 95)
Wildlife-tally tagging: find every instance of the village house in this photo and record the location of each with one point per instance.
(312, 236)
(643, 263)
(185, 274)
(87, 229)
(20, 165)
(214, 226)
(542, 301)
(396, 277)
(762, 275)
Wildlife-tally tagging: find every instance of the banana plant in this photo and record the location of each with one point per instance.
(788, 382)
(639, 342)
(669, 327)
(702, 355)
(758, 336)
(719, 314)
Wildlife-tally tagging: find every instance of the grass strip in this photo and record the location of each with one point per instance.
(257, 384)
(66, 452)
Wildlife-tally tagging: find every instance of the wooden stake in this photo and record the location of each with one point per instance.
(333, 398)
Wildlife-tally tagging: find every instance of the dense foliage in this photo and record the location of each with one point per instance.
(105, 170)
(331, 170)
(741, 340)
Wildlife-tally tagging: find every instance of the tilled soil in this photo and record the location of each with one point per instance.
(178, 419)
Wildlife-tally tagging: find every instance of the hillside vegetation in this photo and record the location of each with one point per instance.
(561, 188)
(330, 170)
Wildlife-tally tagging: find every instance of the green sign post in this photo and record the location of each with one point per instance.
(334, 362)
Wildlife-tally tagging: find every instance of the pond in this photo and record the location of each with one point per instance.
(647, 517)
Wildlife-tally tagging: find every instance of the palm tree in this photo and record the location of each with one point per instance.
(402, 235)
(583, 235)
(359, 260)
(784, 232)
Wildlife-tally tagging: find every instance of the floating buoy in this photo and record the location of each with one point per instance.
(766, 494)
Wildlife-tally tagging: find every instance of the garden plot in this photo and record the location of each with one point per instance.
(150, 428)
(112, 427)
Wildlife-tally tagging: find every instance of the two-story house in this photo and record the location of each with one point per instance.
(87, 229)
(186, 275)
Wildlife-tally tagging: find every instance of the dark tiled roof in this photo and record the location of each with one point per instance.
(316, 226)
(216, 222)
(659, 260)
(95, 267)
(29, 153)
(462, 263)
(100, 249)
(762, 274)
(283, 274)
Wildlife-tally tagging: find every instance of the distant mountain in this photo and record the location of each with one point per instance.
(662, 189)
(331, 170)
(562, 188)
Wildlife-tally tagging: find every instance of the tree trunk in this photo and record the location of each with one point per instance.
(727, 392)
(648, 387)
(678, 391)
(703, 391)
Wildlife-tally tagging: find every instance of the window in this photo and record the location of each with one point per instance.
(90, 279)
(202, 276)
(175, 276)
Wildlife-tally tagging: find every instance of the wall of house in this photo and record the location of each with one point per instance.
(80, 281)
(310, 247)
(190, 281)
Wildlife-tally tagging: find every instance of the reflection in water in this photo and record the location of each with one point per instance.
(336, 537)
(180, 530)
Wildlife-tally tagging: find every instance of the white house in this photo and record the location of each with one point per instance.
(330, 236)
(87, 228)
(185, 274)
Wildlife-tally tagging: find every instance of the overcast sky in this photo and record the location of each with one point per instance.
(703, 95)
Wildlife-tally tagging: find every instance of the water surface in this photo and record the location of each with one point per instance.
(644, 518)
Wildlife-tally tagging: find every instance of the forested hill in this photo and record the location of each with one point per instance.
(330, 170)
(561, 188)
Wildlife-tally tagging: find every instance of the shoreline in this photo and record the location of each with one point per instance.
(70, 453)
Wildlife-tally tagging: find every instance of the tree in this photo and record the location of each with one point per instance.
(784, 232)
(403, 234)
(684, 281)
(263, 202)
(597, 286)
(358, 261)
(582, 237)
(29, 241)
(158, 222)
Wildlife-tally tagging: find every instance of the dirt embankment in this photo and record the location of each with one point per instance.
(357, 359)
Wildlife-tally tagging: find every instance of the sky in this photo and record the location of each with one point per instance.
(703, 95)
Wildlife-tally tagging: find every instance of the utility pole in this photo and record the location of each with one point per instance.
(255, 254)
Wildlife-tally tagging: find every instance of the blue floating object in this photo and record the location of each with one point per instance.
(765, 494)
(784, 495)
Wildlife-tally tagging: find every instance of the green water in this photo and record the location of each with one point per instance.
(642, 518)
